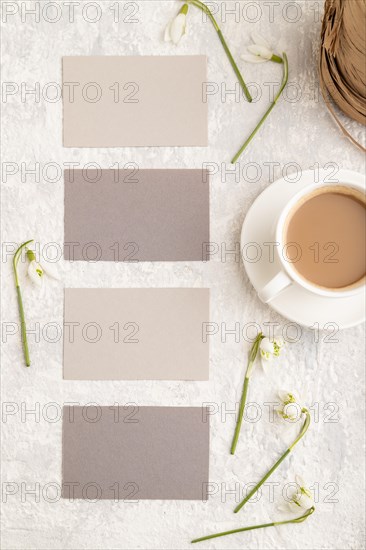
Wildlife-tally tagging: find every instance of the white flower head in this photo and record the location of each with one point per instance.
(36, 270)
(301, 498)
(289, 409)
(278, 344)
(266, 349)
(260, 51)
(287, 396)
(35, 273)
(177, 27)
(270, 348)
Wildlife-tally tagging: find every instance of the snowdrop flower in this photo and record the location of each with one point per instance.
(36, 271)
(278, 344)
(288, 396)
(260, 51)
(266, 348)
(271, 347)
(300, 499)
(289, 408)
(301, 503)
(177, 28)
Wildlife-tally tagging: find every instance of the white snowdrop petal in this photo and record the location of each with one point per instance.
(249, 58)
(263, 52)
(291, 410)
(300, 481)
(167, 33)
(33, 273)
(177, 28)
(259, 39)
(279, 341)
(283, 395)
(293, 507)
(266, 345)
(305, 501)
(266, 366)
(296, 396)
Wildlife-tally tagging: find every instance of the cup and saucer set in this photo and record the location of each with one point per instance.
(277, 244)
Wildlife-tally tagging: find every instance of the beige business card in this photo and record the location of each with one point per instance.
(136, 334)
(122, 101)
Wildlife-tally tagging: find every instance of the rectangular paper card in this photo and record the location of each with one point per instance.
(137, 215)
(136, 334)
(121, 101)
(131, 453)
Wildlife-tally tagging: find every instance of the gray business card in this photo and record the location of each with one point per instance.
(137, 215)
(131, 453)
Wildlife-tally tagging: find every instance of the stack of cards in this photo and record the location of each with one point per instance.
(135, 215)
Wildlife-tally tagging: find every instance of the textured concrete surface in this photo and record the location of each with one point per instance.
(329, 372)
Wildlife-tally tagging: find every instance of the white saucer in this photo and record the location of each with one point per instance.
(294, 303)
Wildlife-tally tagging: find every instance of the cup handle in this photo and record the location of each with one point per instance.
(274, 287)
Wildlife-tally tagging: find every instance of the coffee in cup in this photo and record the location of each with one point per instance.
(320, 239)
(327, 230)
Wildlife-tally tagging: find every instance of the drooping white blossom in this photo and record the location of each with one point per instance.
(177, 27)
(37, 270)
(290, 408)
(260, 51)
(270, 348)
(301, 498)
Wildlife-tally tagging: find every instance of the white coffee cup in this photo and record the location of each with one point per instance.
(287, 274)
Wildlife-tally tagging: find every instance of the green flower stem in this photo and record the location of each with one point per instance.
(268, 112)
(208, 12)
(252, 357)
(268, 474)
(235, 67)
(240, 418)
(275, 466)
(23, 325)
(300, 519)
